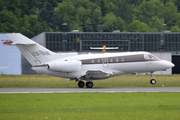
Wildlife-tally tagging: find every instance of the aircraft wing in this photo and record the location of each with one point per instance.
(97, 74)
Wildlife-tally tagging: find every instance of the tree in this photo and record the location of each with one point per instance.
(96, 18)
(11, 5)
(109, 23)
(28, 16)
(178, 5)
(104, 7)
(121, 24)
(28, 5)
(65, 11)
(135, 2)
(148, 9)
(75, 26)
(176, 2)
(83, 18)
(25, 28)
(156, 24)
(47, 14)
(8, 21)
(170, 13)
(137, 26)
(80, 13)
(53, 2)
(175, 29)
(125, 10)
(82, 3)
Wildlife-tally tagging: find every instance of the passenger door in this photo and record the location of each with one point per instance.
(105, 62)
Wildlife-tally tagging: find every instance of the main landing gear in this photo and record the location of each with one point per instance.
(88, 84)
(152, 81)
(81, 84)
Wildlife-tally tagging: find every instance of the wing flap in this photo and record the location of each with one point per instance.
(97, 74)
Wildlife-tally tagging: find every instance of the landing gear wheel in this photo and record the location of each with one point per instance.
(81, 84)
(153, 81)
(89, 84)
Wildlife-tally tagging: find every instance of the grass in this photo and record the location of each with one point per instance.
(90, 106)
(45, 81)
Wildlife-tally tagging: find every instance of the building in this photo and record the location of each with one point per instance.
(82, 41)
(164, 45)
(10, 57)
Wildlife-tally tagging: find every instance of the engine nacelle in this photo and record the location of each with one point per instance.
(65, 66)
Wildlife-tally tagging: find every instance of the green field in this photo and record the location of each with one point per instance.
(45, 81)
(91, 106)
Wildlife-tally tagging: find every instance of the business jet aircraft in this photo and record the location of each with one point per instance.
(87, 67)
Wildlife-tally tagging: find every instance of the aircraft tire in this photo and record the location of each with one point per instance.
(89, 84)
(81, 84)
(153, 81)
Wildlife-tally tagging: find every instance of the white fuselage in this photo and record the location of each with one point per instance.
(112, 63)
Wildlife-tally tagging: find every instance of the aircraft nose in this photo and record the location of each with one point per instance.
(168, 64)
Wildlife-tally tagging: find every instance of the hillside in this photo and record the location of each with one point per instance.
(31, 17)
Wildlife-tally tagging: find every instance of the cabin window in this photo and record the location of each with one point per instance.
(122, 59)
(111, 60)
(92, 61)
(117, 60)
(99, 61)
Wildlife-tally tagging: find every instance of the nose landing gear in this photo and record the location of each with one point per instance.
(152, 81)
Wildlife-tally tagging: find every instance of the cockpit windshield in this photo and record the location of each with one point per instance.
(149, 56)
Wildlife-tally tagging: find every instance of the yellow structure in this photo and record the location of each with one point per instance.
(104, 49)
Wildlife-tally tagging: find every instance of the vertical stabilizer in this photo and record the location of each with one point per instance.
(32, 51)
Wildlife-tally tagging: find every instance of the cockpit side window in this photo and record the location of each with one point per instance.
(149, 56)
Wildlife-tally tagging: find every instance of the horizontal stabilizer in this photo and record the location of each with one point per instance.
(22, 43)
(20, 39)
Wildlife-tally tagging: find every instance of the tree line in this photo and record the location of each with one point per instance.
(31, 17)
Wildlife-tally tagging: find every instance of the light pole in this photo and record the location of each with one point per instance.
(64, 24)
(163, 40)
(163, 26)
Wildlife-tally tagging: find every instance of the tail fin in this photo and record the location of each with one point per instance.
(32, 51)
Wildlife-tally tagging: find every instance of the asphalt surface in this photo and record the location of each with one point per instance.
(66, 90)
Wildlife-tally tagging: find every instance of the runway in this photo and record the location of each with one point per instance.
(69, 90)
